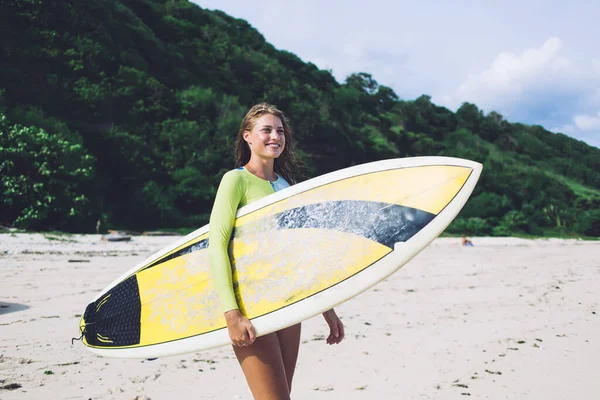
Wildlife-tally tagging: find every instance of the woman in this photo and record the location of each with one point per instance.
(265, 159)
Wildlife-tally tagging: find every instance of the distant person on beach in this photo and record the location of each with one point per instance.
(265, 159)
(466, 242)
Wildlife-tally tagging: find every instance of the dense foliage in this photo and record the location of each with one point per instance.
(126, 112)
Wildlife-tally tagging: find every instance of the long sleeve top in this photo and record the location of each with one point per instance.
(238, 188)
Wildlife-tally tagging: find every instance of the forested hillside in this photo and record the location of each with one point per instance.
(126, 112)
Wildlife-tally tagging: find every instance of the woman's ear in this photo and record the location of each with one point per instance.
(247, 137)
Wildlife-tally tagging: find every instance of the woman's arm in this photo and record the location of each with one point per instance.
(222, 217)
(229, 194)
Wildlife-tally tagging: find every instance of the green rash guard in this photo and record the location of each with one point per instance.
(237, 189)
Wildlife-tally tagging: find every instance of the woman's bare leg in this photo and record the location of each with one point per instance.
(289, 341)
(264, 368)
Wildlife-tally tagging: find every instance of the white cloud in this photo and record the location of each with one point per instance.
(512, 75)
(568, 129)
(587, 122)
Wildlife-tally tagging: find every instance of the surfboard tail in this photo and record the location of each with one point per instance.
(114, 319)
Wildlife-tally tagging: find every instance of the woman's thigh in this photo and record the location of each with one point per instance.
(289, 340)
(264, 368)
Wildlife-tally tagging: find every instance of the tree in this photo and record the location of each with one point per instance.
(43, 179)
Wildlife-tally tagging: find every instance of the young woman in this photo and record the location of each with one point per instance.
(265, 158)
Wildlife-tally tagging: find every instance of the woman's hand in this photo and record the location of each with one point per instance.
(336, 327)
(241, 331)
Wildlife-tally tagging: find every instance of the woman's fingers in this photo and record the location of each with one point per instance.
(336, 331)
(245, 334)
(251, 333)
(333, 334)
(241, 330)
(342, 334)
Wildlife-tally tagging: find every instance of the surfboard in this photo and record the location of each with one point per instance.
(295, 254)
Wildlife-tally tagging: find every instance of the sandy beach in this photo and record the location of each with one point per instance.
(506, 319)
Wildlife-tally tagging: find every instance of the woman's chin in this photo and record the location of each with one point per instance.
(273, 154)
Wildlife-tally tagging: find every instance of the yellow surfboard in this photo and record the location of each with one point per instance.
(294, 255)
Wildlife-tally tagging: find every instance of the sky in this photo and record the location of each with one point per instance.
(533, 61)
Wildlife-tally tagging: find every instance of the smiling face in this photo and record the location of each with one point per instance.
(267, 137)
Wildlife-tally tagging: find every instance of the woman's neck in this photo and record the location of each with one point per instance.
(263, 168)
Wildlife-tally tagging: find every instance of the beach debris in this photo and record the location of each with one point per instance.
(368, 323)
(160, 233)
(318, 337)
(10, 386)
(465, 394)
(461, 385)
(323, 388)
(79, 261)
(67, 364)
(59, 238)
(116, 238)
(493, 372)
(123, 232)
(48, 372)
(208, 361)
(361, 387)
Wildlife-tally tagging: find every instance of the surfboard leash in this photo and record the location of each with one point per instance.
(82, 330)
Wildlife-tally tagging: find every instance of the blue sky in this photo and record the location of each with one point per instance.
(534, 61)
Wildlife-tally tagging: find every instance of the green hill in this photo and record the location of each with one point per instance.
(126, 111)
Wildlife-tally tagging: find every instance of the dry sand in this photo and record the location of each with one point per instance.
(506, 319)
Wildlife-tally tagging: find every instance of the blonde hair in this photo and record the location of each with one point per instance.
(287, 160)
